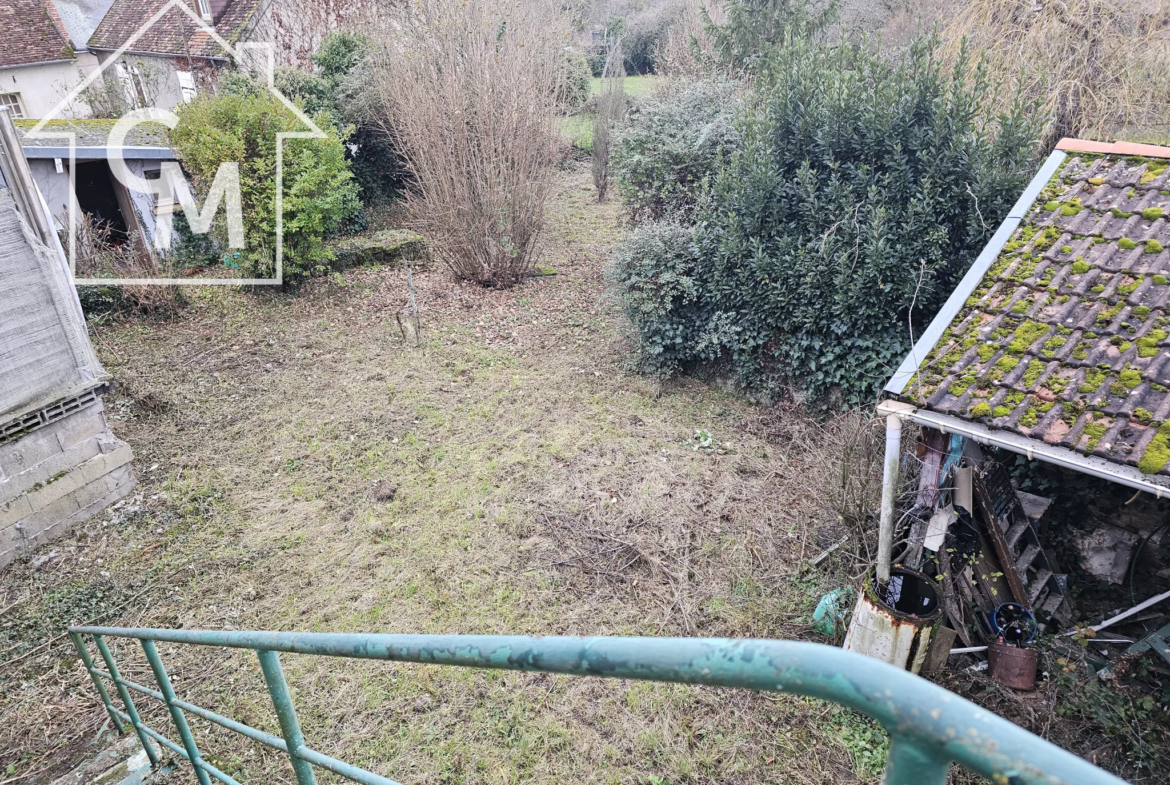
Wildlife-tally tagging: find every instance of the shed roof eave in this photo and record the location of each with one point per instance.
(934, 331)
(94, 153)
(1032, 448)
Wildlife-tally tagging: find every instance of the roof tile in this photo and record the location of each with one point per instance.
(30, 36)
(175, 33)
(1066, 337)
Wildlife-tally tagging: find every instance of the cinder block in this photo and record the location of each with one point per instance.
(118, 477)
(11, 544)
(15, 510)
(60, 462)
(102, 464)
(95, 506)
(29, 450)
(49, 515)
(79, 426)
(56, 487)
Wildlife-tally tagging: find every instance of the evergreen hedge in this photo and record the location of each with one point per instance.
(860, 192)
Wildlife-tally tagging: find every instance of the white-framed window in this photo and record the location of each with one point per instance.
(205, 10)
(187, 85)
(14, 104)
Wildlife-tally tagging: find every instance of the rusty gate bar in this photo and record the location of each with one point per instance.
(929, 727)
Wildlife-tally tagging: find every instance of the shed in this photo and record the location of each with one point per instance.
(1054, 345)
(92, 186)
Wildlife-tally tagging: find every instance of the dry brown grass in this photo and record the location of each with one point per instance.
(99, 255)
(1100, 69)
(542, 488)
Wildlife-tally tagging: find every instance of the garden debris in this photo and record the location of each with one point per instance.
(1122, 616)
(829, 616)
(1106, 552)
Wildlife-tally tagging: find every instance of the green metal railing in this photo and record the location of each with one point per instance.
(929, 727)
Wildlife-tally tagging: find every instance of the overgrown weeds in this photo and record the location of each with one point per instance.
(1096, 69)
(100, 254)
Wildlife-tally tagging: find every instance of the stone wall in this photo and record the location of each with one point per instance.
(57, 475)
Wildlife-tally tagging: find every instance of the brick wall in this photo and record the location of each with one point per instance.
(58, 475)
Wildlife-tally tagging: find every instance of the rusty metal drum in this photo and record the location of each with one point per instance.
(895, 623)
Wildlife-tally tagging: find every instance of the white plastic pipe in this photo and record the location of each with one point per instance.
(889, 496)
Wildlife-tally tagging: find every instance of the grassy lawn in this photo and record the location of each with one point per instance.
(540, 487)
(634, 85)
(302, 467)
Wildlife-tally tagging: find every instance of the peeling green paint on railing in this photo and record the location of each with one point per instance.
(929, 727)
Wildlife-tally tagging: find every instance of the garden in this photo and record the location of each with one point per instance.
(582, 321)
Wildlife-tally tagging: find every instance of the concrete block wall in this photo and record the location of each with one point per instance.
(58, 475)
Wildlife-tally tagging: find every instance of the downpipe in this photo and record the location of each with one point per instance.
(889, 496)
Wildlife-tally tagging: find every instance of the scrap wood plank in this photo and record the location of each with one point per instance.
(953, 609)
(1007, 561)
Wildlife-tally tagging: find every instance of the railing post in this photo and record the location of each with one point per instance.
(286, 714)
(164, 686)
(97, 680)
(124, 694)
(911, 763)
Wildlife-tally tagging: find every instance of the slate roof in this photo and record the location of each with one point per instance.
(1065, 338)
(30, 36)
(166, 36)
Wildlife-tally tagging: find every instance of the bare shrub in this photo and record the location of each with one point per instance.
(100, 255)
(470, 89)
(611, 105)
(686, 49)
(138, 83)
(1099, 69)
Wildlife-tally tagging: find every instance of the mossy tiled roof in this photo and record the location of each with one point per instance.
(175, 32)
(91, 133)
(1065, 339)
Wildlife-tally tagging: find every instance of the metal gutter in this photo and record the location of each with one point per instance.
(1033, 449)
(37, 63)
(94, 153)
(173, 55)
(970, 281)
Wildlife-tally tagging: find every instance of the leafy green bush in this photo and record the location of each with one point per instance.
(655, 270)
(341, 85)
(672, 143)
(319, 192)
(860, 193)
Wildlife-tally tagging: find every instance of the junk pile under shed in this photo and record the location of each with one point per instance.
(59, 462)
(1053, 346)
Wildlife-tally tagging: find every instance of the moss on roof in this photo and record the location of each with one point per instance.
(1065, 338)
(92, 133)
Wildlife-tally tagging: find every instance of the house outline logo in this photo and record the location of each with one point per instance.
(265, 49)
